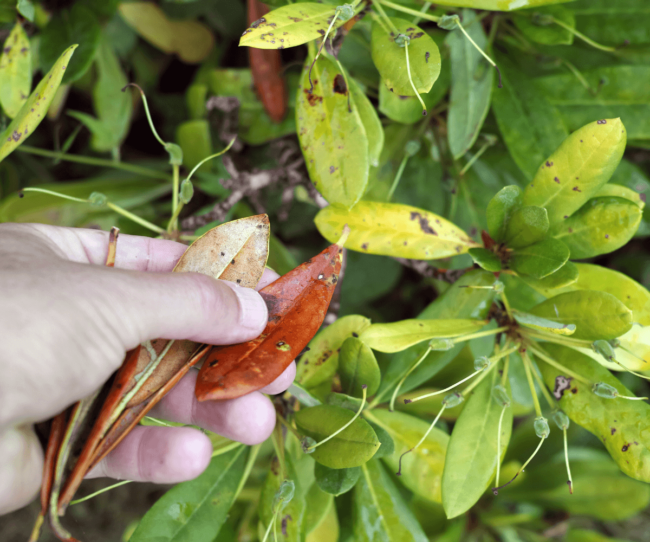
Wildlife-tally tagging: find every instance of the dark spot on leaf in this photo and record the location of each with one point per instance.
(418, 35)
(625, 446)
(238, 281)
(426, 57)
(642, 197)
(285, 520)
(339, 84)
(549, 164)
(602, 122)
(255, 24)
(233, 262)
(613, 430)
(562, 383)
(574, 391)
(576, 189)
(606, 236)
(354, 334)
(333, 169)
(570, 230)
(364, 246)
(557, 180)
(313, 99)
(424, 223)
(321, 31)
(16, 136)
(7, 49)
(223, 253)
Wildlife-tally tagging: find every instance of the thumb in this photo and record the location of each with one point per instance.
(181, 306)
(21, 466)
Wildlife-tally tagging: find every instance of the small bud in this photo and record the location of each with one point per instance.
(604, 348)
(402, 40)
(175, 154)
(441, 345)
(542, 430)
(605, 390)
(452, 400)
(561, 420)
(187, 191)
(307, 444)
(499, 287)
(346, 12)
(97, 199)
(448, 22)
(284, 494)
(500, 395)
(482, 363)
(412, 147)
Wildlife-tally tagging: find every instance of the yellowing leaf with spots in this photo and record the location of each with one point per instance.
(392, 229)
(35, 108)
(15, 71)
(578, 169)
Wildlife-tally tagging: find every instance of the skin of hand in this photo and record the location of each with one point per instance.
(66, 322)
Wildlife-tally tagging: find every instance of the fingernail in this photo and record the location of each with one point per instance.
(254, 314)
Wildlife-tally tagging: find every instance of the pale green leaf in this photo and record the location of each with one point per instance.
(15, 71)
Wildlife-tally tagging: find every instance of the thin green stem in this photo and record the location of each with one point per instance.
(425, 8)
(401, 382)
(504, 375)
(363, 402)
(225, 449)
(135, 218)
(252, 456)
(404, 9)
(490, 61)
(173, 223)
(583, 37)
(480, 334)
(398, 176)
(553, 338)
(146, 110)
(551, 402)
(531, 384)
(544, 357)
(476, 382)
(399, 471)
(495, 490)
(268, 531)
(290, 427)
(408, 72)
(103, 490)
(503, 411)
(51, 193)
(629, 398)
(504, 298)
(385, 17)
(427, 395)
(474, 158)
(566, 458)
(99, 162)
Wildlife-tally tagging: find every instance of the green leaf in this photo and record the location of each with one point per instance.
(370, 120)
(564, 276)
(537, 25)
(357, 368)
(317, 503)
(380, 512)
(543, 324)
(601, 225)
(422, 468)
(387, 447)
(350, 448)
(618, 423)
(15, 71)
(112, 106)
(194, 138)
(577, 169)
(336, 481)
(321, 361)
(333, 138)
(471, 85)
(597, 315)
(612, 24)
(532, 128)
(290, 26)
(399, 336)
(500, 210)
(623, 94)
(584, 535)
(390, 58)
(619, 191)
(392, 229)
(79, 25)
(496, 5)
(472, 451)
(196, 510)
(26, 9)
(541, 259)
(33, 111)
(527, 226)
(486, 259)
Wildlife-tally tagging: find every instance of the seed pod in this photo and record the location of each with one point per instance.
(452, 400)
(500, 395)
(542, 430)
(605, 349)
(441, 345)
(482, 363)
(561, 420)
(605, 390)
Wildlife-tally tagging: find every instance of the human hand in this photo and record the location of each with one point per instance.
(66, 325)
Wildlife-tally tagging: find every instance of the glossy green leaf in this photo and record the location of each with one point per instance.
(399, 336)
(619, 191)
(390, 58)
(332, 137)
(78, 24)
(458, 301)
(601, 225)
(193, 136)
(380, 512)
(472, 451)
(387, 447)
(532, 128)
(292, 514)
(543, 324)
(612, 24)
(585, 535)
(536, 25)
(601, 490)
(33, 111)
(596, 315)
(486, 259)
(422, 468)
(290, 26)
(541, 259)
(336, 481)
(317, 505)
(623, 95)
(321, 361)
(371, 123)
(350, 448)
(15, 71)
(328, 530)
(357, 368)
(577, 169)
(112, 106)
(471, 85)
(618, 423)
(26, 9)
(527, 226)
(303, 395)
(392, 229)
(564, 276)
(629, 292)
(196, 510)
(500, 209)
(497, 5)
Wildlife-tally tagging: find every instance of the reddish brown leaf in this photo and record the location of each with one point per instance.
(297, 303)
